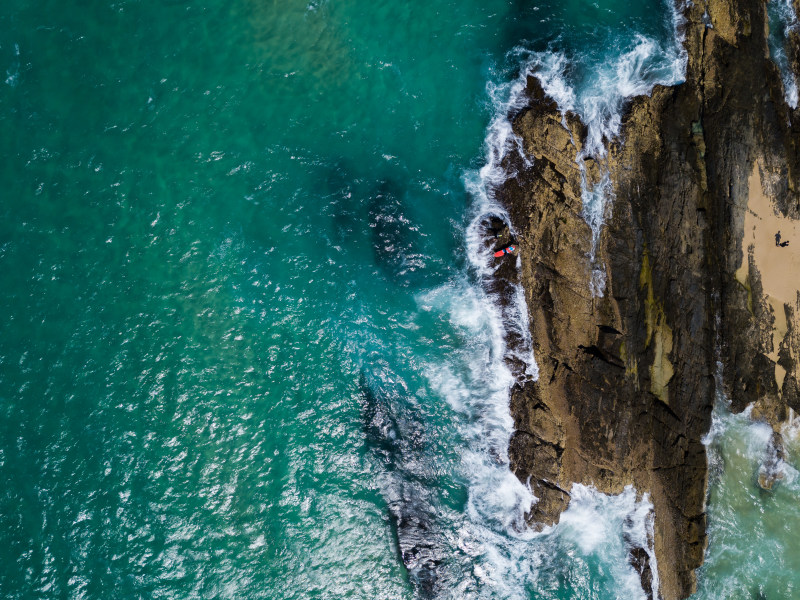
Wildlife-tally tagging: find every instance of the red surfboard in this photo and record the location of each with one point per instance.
(507, 250)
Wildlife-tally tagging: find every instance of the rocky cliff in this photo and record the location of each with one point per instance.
(627, 378)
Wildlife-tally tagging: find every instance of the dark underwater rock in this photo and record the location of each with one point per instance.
(395, 440)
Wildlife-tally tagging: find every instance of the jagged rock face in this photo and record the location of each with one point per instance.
(608, 408)
(626, 382)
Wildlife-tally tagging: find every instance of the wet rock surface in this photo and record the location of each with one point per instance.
(626, 383)
(639, 559)
(771, 470)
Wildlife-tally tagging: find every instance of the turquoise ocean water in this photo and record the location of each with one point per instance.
(245, 350)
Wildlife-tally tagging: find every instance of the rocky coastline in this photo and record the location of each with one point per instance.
(690, 308)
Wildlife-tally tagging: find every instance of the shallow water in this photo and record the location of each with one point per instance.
(753, 547)
(246, 352)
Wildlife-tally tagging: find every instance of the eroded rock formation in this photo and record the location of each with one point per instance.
(626, 383)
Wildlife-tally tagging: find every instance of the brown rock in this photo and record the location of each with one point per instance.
(626, 383)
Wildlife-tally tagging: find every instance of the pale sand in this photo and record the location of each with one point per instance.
(779, 267)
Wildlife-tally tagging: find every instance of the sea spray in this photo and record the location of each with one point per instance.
(476, 385)
(498, 495)
(593, 522)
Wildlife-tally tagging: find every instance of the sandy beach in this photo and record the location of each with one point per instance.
(779, 266)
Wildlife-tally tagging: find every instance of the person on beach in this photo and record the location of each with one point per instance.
(778, 239)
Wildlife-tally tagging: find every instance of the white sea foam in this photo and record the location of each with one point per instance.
(783, 20)
(600, 98)
(506, 99)
(498, 501)
(505, 557)
(640, 532)
(476, 384)
(791, 429)
(502, 555)
(594, 521)
(477, 381)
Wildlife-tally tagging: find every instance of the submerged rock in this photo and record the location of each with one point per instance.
(626, 387)
(395, 442)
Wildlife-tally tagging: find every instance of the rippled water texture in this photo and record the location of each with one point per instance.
(245, 352)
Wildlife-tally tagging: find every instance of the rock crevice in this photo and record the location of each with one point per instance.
(627, 379)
